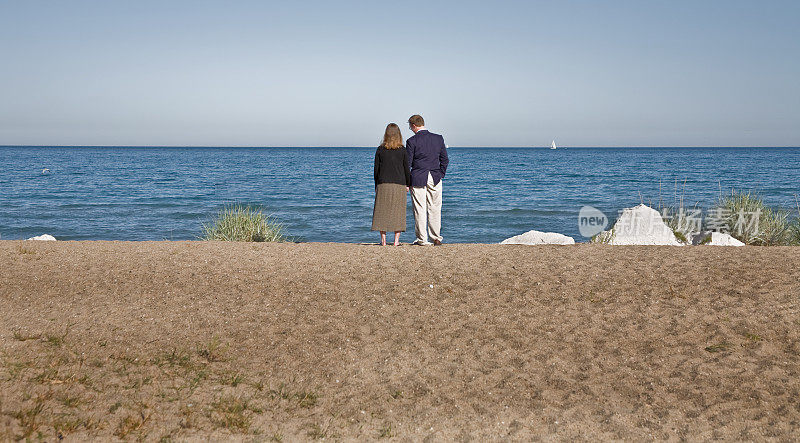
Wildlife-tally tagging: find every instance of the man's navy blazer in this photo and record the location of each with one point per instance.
(426, 153)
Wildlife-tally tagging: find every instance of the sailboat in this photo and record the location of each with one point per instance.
(553, 145)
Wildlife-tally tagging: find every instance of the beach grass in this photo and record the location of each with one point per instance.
(603, 238)
(749, 219)
(794, 228)
(243, 223)
(794, 232)
(677, 216)
(680, 221)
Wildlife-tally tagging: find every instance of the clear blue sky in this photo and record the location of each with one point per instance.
(268, 73)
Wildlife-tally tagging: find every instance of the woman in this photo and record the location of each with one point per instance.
(392, 181)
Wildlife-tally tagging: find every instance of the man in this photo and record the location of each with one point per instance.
(427, 154)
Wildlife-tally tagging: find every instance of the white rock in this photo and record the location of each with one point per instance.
(44, 237)
(640, 225)
(539, 238)
(715, 239)
(722, 239)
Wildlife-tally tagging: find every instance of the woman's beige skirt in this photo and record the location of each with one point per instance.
(389, 213)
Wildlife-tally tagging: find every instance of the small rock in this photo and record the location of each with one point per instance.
(713, 238)
(539, 238)
(44, 237)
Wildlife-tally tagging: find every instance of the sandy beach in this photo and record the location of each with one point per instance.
(244, 341)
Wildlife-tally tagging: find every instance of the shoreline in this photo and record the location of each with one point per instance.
(220, 340)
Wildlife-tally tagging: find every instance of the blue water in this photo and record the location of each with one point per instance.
(326, 194)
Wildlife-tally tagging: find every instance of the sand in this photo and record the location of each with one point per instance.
(199, 340)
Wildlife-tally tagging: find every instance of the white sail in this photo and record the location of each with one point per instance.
(553, 145)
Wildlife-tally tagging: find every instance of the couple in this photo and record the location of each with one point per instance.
(418, 167)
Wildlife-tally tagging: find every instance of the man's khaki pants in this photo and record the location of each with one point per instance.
(427, 211)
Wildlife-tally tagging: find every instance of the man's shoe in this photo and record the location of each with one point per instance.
(437, 243)
(419, 243)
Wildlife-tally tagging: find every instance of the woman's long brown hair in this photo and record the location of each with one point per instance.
(392, 139)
